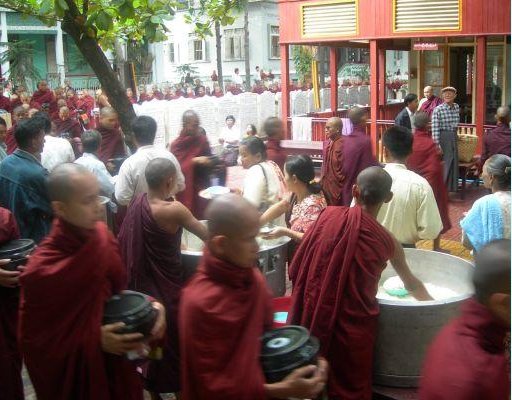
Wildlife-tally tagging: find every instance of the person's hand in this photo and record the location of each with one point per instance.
(203, 160)
(119, 343)
(274, 233)
(8, 279)
(306, 382)
(160, 326)
(420, 293)
(236, 191)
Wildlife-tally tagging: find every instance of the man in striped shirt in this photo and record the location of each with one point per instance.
(445, 119)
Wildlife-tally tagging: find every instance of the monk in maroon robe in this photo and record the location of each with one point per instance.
(274, 130)
(43, 95)
(5, 102)
(150, 240)
(335, 274)
(66, 124)
(431, 102)
(11, 384)
(68, 279)
(425, 160)
(112, 143)
(224, 310)
(19, 114)
(497, 140)
(467, 360)
(344, 157)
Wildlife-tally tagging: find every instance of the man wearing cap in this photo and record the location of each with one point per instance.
(445, 120)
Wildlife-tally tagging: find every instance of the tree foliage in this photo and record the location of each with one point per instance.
(20, 57)
(302, 59)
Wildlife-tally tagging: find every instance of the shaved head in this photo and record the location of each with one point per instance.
(421, 120)
(335, 123)
(492, 270)
(61, 185)
(188, 116)
(230, 215)
(357, 115)
(158, 171)
(374, 185)
(107, 112)
(503, 115)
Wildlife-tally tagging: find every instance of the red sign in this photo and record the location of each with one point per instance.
(425, 46)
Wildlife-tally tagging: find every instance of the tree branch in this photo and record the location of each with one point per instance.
(29, 11)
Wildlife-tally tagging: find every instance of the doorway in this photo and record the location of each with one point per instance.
(461, 77)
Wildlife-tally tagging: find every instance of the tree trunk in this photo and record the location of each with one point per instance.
(218, 45)
(246, 49)
(109, 82)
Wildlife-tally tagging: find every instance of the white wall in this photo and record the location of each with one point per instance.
(261, 15)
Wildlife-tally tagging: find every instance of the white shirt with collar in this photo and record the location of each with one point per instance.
(56, 151)
(97, 168)
(411, 116)
(412, 213)
(131, 180)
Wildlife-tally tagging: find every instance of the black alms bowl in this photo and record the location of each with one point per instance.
(286, 349)
(17, 251)
(132, 308)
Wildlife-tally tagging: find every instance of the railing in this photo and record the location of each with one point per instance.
(78, 82)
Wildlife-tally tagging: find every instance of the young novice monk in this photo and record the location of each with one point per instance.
(150, 242)
(335, 274)
(67, 281)
(225, 309)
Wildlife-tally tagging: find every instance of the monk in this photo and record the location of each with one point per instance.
(131, 97)
(192, 150)
(224, 310)
(467, 359)
(430, 101)
(497, 140)
(11, 384)
(344, 157)
(112, 144)
(43, 95)
(19, 114)
(5, 102)
(150, 247)
(274, 129)
(70, 276)
(66, 124)
(425, 160)
(335, 274)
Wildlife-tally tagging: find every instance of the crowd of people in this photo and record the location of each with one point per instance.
(344, 225)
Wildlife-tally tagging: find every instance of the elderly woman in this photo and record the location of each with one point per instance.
(489, 218)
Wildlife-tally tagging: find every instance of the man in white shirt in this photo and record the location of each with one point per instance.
(237, 79)
(91, 142)
(131, 179)
(56, 150)
(412, 214)
(405, 117)
(230, 138)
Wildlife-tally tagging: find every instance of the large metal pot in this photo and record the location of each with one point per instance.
(407, 328)
(271, 260)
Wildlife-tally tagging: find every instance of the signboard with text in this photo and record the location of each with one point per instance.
(425, 46)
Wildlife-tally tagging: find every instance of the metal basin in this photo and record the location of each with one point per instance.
(271, 259)
(406, 328)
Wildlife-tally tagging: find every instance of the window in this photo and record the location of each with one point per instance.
(197, 49)
(426, 15)
(172, 56)
(274, 42)
(233, 44)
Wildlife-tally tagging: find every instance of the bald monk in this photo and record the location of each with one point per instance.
(43, 95)
(19, 114)
(430, 101)
(66, 124)
(112, 144)
(344, 157)
(70, 276)
(335, 274)
(150, 240)
(497, 141)
(467, 360)
(11, 384)
(224, 310)
(274, 129)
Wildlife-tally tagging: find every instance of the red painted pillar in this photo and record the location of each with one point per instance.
(285, 86)
(374, 94)
(481, 55)
(382, 78)
(333, 69)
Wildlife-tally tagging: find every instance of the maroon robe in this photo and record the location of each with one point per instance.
(5, 103)
(217, 94)
(223, 312)
(185, 148)
(144, 97)
(152, 258)
(11, 384)
(496, 141)
(70, 125)
(429, 105)
(16, 103)
(425, 160)
(112, 145)
(47, 96)
(467, 360)
(10, 140)
(72, 103)
(68, 279)
(276, 153)
(335, 273)
(343, 159)
(158, 95)
(132, 100)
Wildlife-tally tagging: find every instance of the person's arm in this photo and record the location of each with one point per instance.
(105, 180)
(411, 282)
(281, 231)
(435, 126)
(124, 188)
(70, 154)
(275, 211)
(428, 219)
(185, 219)
(180, 178)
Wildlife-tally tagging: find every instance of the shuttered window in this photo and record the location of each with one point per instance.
(337, 18)
(426, 15)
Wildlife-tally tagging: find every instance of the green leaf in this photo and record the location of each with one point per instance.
(104, 21)
(126, 10)
(62, 4)
(156, 19)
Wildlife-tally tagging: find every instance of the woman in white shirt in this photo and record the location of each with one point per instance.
(264, 183)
